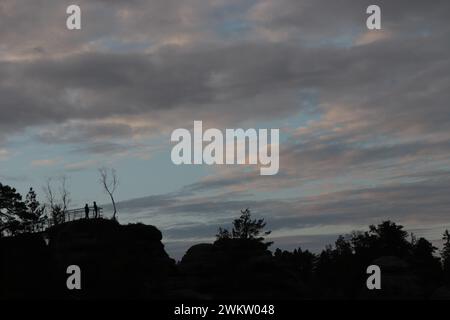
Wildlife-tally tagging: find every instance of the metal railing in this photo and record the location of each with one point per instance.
(80, 213)
(69, 215)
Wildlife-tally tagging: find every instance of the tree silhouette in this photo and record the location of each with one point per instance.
(11, 208)
(34, 215)
(32, 204)
(427, 267)
(392, 239)
(16, 215)
(109, 182)
(385, 239)
(58, 203)
(298, 261)
(445, 254)
(245, 228)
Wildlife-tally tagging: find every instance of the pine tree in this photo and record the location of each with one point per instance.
(34, 211)
(245, 228)
(445, 255)
(11, 208)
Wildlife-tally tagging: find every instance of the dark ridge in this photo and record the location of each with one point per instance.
(129, 261)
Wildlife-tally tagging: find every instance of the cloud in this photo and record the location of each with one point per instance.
(371, 37)
(425, 198)
(4, 154)
(44, 162)
(81, 165)
(254, 78)
(247, 79)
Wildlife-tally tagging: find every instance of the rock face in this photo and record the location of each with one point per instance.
(236, 269)
(116, 261)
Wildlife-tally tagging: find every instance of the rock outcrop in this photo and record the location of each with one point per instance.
(116, 261)
(236, 269)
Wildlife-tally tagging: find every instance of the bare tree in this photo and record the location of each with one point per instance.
(64, 194)
(109, 181)
(49, 194)
(58, 205)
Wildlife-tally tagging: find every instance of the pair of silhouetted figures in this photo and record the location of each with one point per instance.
(86, 210)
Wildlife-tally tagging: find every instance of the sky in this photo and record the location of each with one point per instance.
(363, 114)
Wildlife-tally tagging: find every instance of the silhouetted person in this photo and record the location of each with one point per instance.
(86, 211)
(95, 210)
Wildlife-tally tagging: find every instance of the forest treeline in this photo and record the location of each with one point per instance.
(412, 266)
(23, 215)
(129, 261)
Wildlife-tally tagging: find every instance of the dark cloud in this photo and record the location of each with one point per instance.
(389, 81)
(103, 148)
(321, 18)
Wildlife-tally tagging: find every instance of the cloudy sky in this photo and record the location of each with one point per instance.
(363, 115)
